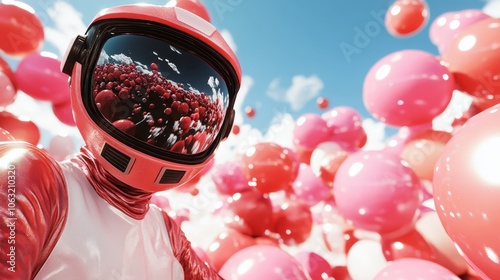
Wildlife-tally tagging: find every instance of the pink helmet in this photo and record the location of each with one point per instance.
(153, 89)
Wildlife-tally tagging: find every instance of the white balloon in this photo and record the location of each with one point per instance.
(432, 230)
(322, 150)
(365, 260)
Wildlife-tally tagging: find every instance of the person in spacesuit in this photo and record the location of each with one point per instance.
(152, 91)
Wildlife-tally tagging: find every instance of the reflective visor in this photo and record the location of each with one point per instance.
(159, 94)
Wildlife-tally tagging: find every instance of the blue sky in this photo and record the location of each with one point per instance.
(290, 51)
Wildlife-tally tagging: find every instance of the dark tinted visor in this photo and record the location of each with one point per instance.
(159, 94)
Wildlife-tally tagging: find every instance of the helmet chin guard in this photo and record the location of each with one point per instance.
(153, 89)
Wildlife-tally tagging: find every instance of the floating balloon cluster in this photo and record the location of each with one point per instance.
(423, 207)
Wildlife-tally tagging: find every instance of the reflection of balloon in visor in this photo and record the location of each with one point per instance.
(159, 94)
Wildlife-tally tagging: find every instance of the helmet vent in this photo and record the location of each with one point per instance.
(171, 176)
(116, 158)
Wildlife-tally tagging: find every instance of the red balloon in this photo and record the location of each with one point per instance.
(225, 245)
(329, 166)
(269, 167)
(5, 68)
(194, 6)
(64, 113)
(406, 17)
(20, 128)
(236, 129)
(293, 221)
(322, 102)
(126, 126)
(250, 112)
(471, 57)
(251, 212)
(39, 76)
(7, 91)
(5, 135)
(466, 190)
(22, 31)
(409, 245)
(349, 240)
(340, 273)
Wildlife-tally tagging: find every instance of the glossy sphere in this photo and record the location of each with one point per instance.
(21, 128)
(322, 103)
(262, 262)
(472, 56)
(378, 192)
(22, 31)
(293, 222)
(309, 131)
(225, 245)
(467, 191)
(308, 188)
(446, 27)
(346, 126)
(64, 113)
(250, 112)
(414, 269)
(251, 212)
(7, 90)
(422, 152)
(229, 178)
(39, 76)
(406, 17)
(269, 167)
(409, 245)
(365, 259)
(317, 267)
(399, 95)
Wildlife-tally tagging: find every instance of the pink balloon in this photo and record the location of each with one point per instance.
(64, 113)
(262, 262)
(414, 269)
(7, 90)
(60, 147)
(445, 27)
(347, 127)
(316, 265)
(309, 131)
(400, 95)
(229, 178)
(309, 188)
(378, 192)
(39, 76)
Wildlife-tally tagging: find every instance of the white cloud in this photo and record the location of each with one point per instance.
(492, 8)
(40, 113)
(229, 39)
(460, 103)
(67, 24)
(375, 131)
(299, 93)
(246, 84)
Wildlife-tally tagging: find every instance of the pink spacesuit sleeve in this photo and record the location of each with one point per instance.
(194, 267)
(33, 208)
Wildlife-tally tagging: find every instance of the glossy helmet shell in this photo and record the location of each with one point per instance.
(137, 168)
